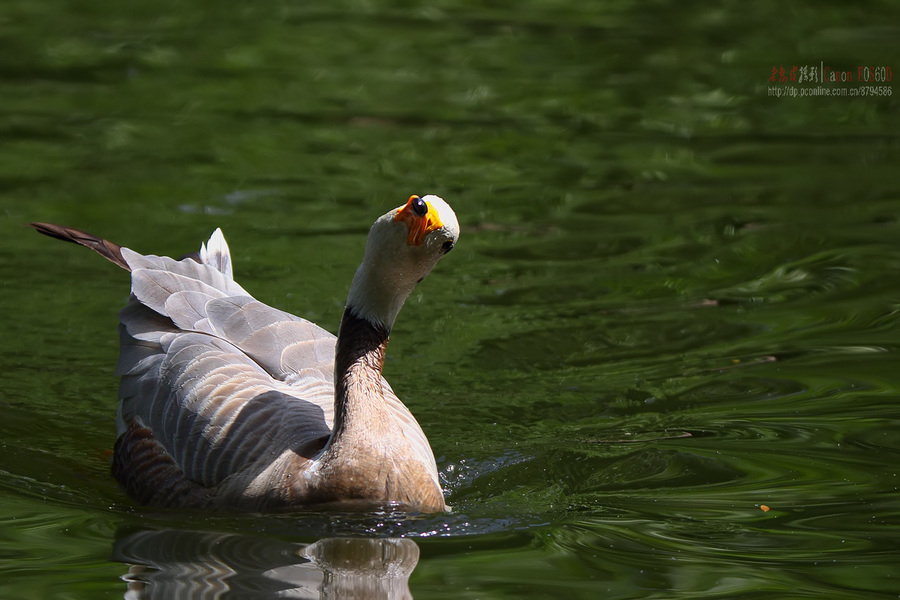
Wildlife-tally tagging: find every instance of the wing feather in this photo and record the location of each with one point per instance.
(226, 383)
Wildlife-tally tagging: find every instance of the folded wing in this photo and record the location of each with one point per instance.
(225, 382)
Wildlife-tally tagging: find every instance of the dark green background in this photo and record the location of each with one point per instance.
(675, 298)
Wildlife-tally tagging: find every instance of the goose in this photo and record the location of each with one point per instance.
(226, 402)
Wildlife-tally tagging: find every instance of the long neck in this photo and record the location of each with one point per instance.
(368, 456)
(359, 407)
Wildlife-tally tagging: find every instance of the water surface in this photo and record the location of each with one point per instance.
(674, 301)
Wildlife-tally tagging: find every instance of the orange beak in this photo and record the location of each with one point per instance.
(419, 225)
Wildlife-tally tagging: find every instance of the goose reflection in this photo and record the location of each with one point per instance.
(187, 564)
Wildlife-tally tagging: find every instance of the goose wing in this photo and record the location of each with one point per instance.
(227, 384)
(222, 380)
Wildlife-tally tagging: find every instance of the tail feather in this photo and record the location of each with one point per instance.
(108, 250)
(215, 253)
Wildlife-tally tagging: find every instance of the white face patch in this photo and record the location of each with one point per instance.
(392, 267)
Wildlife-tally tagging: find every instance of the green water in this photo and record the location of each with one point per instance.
(675, 298)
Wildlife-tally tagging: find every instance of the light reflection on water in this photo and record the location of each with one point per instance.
(186, 564)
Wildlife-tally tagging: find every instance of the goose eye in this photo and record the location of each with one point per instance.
(418, 206)
(447, 246)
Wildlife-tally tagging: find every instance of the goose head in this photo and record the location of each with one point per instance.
(402, 248)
